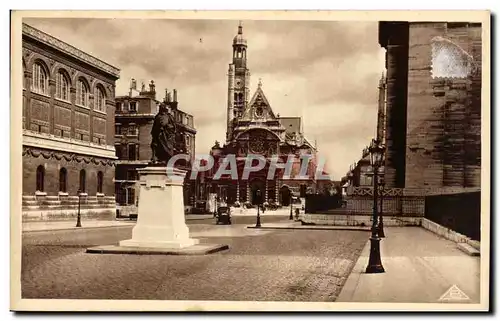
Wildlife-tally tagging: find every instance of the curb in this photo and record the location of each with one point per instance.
(330, 228)
(469, 250)
(352, 281)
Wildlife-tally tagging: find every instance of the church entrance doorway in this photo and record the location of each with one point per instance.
(285, 196)
(256, 185)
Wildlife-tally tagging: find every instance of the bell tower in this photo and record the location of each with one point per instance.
(238, 82)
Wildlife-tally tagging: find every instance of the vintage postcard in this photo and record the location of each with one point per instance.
(250, 161)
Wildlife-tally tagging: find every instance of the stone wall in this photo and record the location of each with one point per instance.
(393, 36)
(53, 161)
(60, 133)
(65, 207)
(443, 131)
(357, 220)
(433, 124)
(48, 114)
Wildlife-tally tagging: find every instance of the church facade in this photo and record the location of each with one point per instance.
(253, 128)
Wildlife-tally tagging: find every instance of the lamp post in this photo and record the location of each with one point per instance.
(258, 208)
(291, 206)
(78, 218)
(375, 262)
(381, 223)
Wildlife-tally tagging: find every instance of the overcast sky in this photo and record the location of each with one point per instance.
(326, 72)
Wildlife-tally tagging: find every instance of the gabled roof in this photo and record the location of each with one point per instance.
(258, 95)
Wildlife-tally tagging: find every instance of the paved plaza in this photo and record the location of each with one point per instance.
(271, 265)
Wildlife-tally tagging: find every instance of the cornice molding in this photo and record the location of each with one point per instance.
(67, 145)
(70, 50)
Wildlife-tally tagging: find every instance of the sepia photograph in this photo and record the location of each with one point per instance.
(250, 161)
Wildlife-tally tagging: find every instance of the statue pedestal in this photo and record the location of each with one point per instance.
(160, 221)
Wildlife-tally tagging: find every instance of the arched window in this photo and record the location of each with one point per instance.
(40, 177)
(62, 86)
(40, 83)
(82, 181)
(82, 93)
(100, 103)
(63, 176)
(100, 180)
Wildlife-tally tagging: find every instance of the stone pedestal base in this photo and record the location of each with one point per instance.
(160, 221)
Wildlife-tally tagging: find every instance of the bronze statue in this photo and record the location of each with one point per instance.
(166, 140)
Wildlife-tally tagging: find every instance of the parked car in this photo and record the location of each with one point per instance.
(223, 215)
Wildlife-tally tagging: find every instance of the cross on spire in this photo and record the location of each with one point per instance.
(240, 28)
(260, 82)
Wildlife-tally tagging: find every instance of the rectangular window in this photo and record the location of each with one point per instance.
(132, 106)
(118, 106)
(131, 196)
(132, 130)
(118, 150)
(132, 175)
(132, 152)
(117, 129)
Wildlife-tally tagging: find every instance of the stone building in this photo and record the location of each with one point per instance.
(430, 125)
(134, 118)
(433, 125)
(68, 130)
(360, 173)
(252, 127)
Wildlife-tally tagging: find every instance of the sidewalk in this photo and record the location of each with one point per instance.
(420, 267)
(292, 225)
(70, 225)
(38, 226)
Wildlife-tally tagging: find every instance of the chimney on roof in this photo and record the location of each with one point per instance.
(175, 95)
(133, 86)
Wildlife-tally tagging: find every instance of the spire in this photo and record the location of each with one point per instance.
(238, 39)
(260, 82)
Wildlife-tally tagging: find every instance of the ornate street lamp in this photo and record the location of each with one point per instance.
(78, 218)
(375, 262)
(381, 223)
(258, 208)
(291, 207)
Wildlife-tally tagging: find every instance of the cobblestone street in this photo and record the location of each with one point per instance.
(271, 265)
